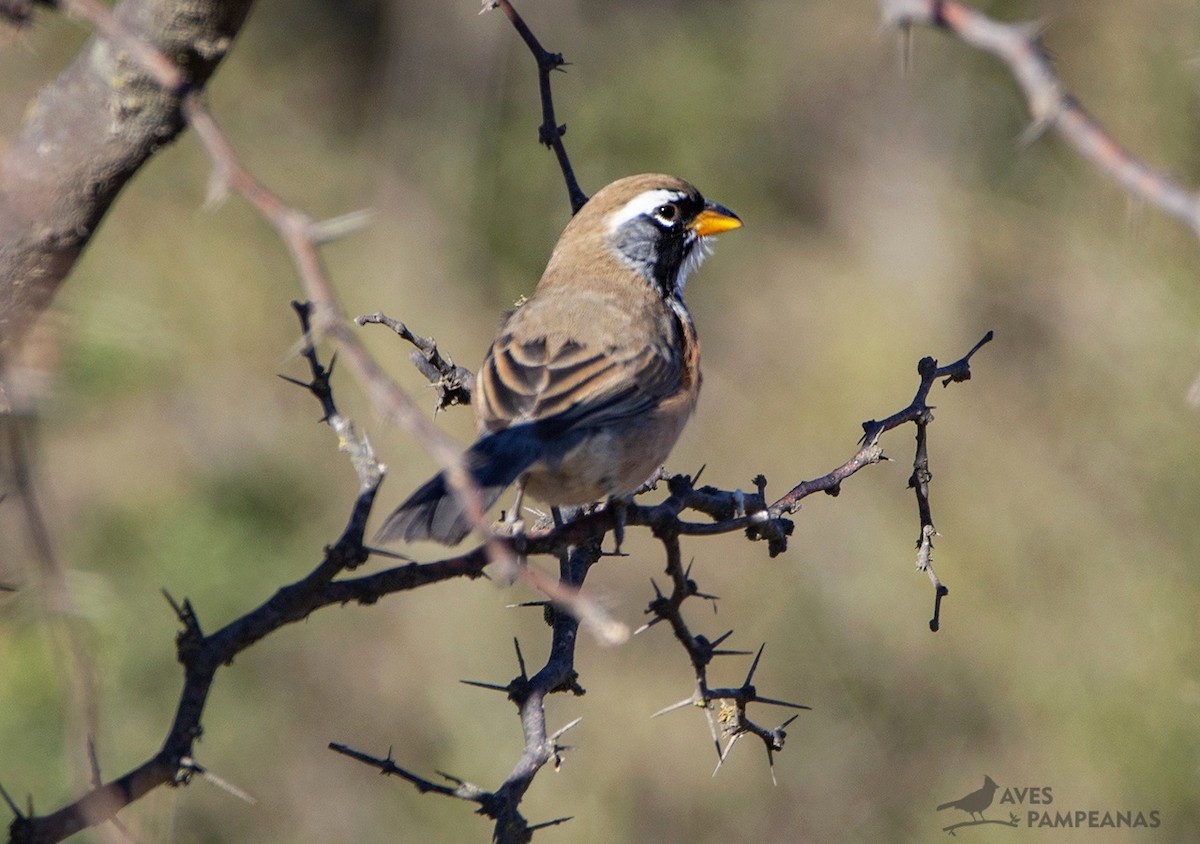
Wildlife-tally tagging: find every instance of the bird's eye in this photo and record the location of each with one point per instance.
(666, 213)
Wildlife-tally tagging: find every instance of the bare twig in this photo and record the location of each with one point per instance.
(1050, 104)
(452, 383)
(921, 414)
(362, 456)
(550, 133)
(388, 767)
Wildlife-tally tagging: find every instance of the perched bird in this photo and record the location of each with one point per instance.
(589, 383)
(975, 802)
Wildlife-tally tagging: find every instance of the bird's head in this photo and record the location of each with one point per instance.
(654, 227)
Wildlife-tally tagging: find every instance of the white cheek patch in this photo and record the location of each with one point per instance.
(644, 203)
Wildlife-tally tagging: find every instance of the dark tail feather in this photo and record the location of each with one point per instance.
(945, 805)
(434, 512)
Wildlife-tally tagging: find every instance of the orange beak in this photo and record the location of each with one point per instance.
(715, 219)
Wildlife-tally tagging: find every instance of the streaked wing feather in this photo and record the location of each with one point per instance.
(630, 386)
(569, 384)
(512, 377)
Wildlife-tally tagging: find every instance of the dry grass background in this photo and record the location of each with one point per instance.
(889, 216)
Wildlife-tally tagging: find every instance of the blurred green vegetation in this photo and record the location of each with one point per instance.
(889, 216)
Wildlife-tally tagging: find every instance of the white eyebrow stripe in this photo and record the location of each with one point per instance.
(644, 203)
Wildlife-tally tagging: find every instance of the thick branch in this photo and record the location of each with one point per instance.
(85, 136)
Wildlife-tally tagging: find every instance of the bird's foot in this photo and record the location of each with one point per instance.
(511, 525)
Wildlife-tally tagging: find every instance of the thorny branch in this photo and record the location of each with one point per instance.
(730, 721)
(920, 414)
(574, 539)
(550, 133)
(202, 655)
(1050, 104)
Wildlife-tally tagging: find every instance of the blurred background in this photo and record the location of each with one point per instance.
(890, 215)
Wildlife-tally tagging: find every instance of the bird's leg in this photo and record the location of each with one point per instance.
(618, 505)
(513, 524)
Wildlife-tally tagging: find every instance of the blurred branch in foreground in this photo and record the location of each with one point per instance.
(1050, 104)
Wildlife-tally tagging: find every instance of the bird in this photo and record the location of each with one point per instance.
(975, 802)
(590, 381)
